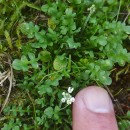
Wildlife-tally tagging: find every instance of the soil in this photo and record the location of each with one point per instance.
(120, 89)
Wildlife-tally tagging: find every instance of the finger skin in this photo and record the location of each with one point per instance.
(84, 119)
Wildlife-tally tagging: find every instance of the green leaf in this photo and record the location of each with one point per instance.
(45, 8)
(85, 75)
(72, 44)
(60, 63)
(42, 89)
(6, 127)
(52, 10)
(16, 128)
(106, 64)
(40, 101)
(49, 90)
(24, 63)
(75, 1)
(128, 114)
(127, 29)
(21, 64)
(121, 62)
(55, 82)
(16, 64)
(31, 56)
(24, 27)
(34, 64)
(63, 30)
(40, 36)
(110, 1)
(98, 1)
(49, 112)
(52, 34)
(44, 56)
(56, 112)
(102, 40)
(78, 1)
(68, 12)
(33, 60)
(45, 89)
(124, 124)
(29, 29)
(104, 78)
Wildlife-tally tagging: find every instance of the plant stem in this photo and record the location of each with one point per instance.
(118, 10)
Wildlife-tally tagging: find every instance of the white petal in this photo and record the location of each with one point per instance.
(70, 89)
(63, 100)
(72, 99)
(63, 93)
(69, 102)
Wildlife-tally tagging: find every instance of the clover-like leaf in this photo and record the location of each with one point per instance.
(106, 64)
(104, 77)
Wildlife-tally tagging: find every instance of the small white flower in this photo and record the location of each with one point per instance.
(70, 89)
(68, 102)
(92, 9)
(63, 100)
(67, 96)
(63, 93)
(93, 6)
(72, 99)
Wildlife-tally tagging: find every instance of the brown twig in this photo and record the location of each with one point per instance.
(10, 78)
(115, 101)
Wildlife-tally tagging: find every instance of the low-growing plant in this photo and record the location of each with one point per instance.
(77, 43)
(11, 13)
(124, 123)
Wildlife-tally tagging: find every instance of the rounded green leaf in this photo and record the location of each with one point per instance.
(49, 90)
(17, 64)
(45, 56)
(21, 64)
(45, 8)
(59, 63)
(106, 64)
(104, 78)
(49, 112)
(121, 62)
(102, 40)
